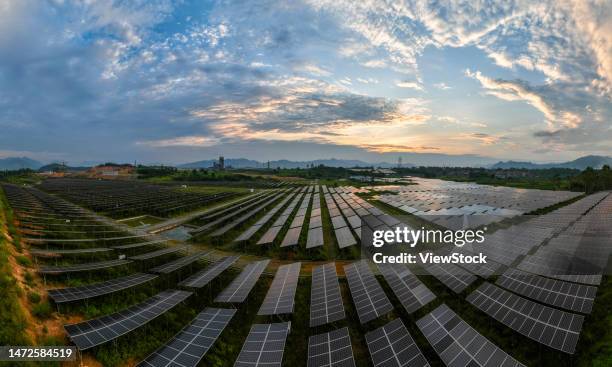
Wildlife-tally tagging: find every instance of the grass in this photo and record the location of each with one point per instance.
(12, 319)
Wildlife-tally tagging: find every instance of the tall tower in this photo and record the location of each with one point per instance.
(221, 162)
(399, 162)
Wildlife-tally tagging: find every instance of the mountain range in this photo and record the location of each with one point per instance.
(594, 161)
(14, 163)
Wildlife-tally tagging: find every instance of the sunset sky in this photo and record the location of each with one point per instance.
(172, 82)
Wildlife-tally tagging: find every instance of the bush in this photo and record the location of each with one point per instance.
(29, 278)
(23, 261)
(33, 297)
(42, 310)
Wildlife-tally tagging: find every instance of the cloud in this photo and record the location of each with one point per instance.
(485, 139)
(313, 69)
(73, 74)
(521, 91)
(442, 86)
(187, 141)
(407, 84)
(375, 64)
(394, 148)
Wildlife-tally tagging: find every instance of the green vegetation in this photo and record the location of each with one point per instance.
(23, 261)
(42, 310)
(591, 180)
(22, 176)
(12, 320)
(33, 297)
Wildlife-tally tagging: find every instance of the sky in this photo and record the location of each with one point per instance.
(181, 81)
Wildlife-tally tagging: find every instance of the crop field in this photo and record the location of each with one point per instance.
(276, 275)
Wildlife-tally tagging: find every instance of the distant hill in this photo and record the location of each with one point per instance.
(594, 161)
(247, 163)
(14, 163)
(58, 167)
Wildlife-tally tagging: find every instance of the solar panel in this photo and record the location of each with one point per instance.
(331, 349)
(368, 296)
(392, 345)
(338, 222)
(315, 221)
(243, 218)
(60, 252)
(164, 251)
(246, 235)
(571, 296)
(82, 267)
(278, 224)
(280, 296)
(138, 244)
(560, 267)
(411, 292)
(458, 344)
(269, 236)
(171, 266)
(239, 288)
(61, 295)
(325, 297)
(451, 276)
(264, 346)
(315, 237)
(549, 326)
(202, 278)
(291, 237)
(345, 237)
(190, 345)
(88, 334)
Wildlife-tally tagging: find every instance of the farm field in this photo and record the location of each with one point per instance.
(279, 275)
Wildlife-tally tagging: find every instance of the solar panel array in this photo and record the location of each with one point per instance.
(434, 200)
(325, 297)
(411, 292)
(239, 288)
(203, 277)
(61, 252)
(278, 224)
(138, 244)
(392, 345)
(565, 240)
(452, 276)
(158, 253)
(88, 334)
(264, 346)
(549, 326)
(369, 298)
(73, 268)
(341, 230)
(249, 232)
(295, 228)
(245, 217)
(232, 212)
(280, 296)
(61, 295)
(315, 226)
(571, 296)
(190, 345)
(458, 344)
(177, 264)
(331, 349)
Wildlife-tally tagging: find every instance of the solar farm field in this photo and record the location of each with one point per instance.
(277, 276)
